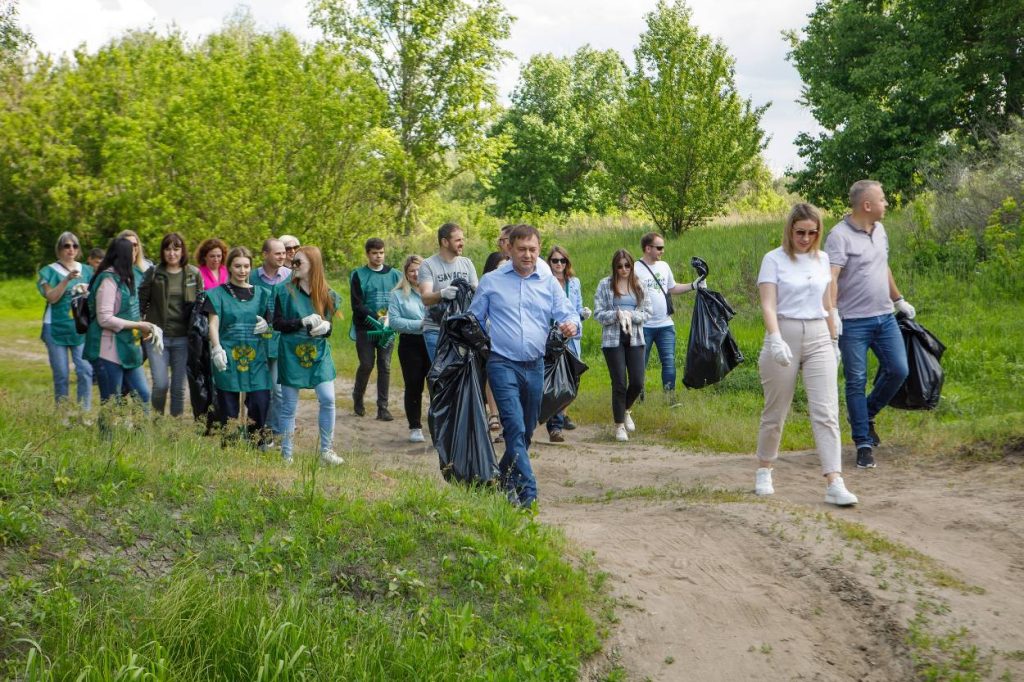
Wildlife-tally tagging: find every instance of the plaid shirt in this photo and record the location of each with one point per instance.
(607, 314)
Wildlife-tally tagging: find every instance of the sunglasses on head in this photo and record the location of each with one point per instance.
(559, 261)
(805, 233)
(69, 245)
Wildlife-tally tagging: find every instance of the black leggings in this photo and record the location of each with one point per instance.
(257, 405)
(624, 361)
(412, 356)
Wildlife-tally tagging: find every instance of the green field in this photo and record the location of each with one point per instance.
(163, 556)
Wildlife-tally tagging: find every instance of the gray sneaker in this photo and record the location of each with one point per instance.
(329, 456)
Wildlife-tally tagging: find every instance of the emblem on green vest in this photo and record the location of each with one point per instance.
(243, 355)
(307, 353)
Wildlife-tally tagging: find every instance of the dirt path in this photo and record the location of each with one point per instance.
(712, 583)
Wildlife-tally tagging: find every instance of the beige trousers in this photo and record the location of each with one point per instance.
(814, 356)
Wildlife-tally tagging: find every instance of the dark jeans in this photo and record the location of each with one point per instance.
(626, 368)
(368, 351)
(517, 388)
(415, 363)
(882, 335)
(257, 406)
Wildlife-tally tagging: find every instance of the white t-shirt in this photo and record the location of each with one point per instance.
(659, 273)
(801, 283)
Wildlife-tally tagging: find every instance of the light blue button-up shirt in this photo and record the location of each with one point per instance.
(520, 310)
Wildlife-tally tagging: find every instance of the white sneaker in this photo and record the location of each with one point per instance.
(329, 456)
(288, 461)
(763, 482)
(416, 436)
(630, 425)
(620, 432)
(837, 494)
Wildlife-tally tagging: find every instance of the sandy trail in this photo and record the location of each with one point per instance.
(773, 589)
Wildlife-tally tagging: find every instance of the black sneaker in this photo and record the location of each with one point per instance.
(873, 435)
(865, 458)
(384, 416)
(358, 408)
(556, 436)
(568, 424)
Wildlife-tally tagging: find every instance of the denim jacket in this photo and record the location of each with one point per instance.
(607, 314)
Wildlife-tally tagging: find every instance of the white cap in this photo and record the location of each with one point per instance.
(289, 241)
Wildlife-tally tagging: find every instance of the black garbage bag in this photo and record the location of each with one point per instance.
(923, 387)
(562, 371)
(457, 417)
(197, 368)
(711, 352)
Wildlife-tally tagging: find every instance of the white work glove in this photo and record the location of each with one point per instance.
(157, 338)
(218, 358)
(698, 283)
(449, 293)
(261, 326)
(625, 321)
(903, 307)
(384, 320)
(837, 321)
(322, 329)
(835, 348)
(79, 289)
(587, 312)
(778, 349)
(310, 321)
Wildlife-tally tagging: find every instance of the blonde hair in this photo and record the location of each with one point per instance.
(140, 259)
(403, 282)
(800, 212)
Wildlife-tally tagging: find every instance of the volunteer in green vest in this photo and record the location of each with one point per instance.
(268, 276)
(239, 336)
(58, 282)
(370, 287)
(166, 295)
(303, 310)
(140, 264)
(113, 342)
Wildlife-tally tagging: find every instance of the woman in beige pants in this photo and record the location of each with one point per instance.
(795, 285)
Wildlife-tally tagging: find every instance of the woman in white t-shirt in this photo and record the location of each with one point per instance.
(797, 297)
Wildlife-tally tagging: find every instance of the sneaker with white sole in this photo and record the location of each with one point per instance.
(630, 424)
(763, 482)
(416, 436)
(837, 494)
(620, 432)
(329, 456)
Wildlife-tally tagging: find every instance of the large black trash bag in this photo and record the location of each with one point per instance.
(457, 417)
(197, 368)
(711, 352)
(562, 371)
(923, 387)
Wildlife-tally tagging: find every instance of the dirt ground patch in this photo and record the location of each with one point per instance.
(919, 578)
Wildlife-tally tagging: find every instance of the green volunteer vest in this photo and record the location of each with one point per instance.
(247, 368)
(273, 337)
(127, 341)
(304, 360)
(62, 324)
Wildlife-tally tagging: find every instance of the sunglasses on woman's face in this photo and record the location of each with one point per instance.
(69, 246)
(297, 263)
(559, 261)
(622, 266)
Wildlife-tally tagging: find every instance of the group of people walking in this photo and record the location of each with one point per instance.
(269, 329)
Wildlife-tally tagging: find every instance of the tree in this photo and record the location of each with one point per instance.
(893, 84)
(683, 136)
(435, 60)
(559, 108)
(12, 36)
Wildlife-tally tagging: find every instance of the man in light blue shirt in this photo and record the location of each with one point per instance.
(518, 301)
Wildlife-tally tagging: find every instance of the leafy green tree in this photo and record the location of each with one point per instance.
(12, 36)
(894, 83)
(435, 60)
(683, 137)
(559, 108)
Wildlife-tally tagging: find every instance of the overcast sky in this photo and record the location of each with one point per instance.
(751, 29)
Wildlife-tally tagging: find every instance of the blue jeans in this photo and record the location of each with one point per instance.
(58, 356)
(111, 376)
(274, 413)
(882, 335)
(517, 388)
(289, 405)
(430, 337)
(169, 370)
(665, 339)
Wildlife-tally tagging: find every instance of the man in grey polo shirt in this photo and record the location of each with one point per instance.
(858, 250)
(435, 280)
